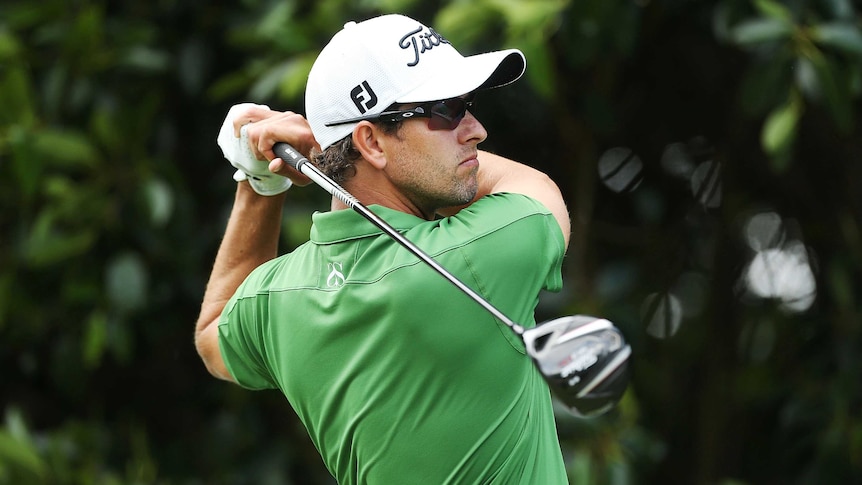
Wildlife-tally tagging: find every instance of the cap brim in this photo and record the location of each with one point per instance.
(472, 73)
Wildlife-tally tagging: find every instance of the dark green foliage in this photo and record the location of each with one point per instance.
(744, 116)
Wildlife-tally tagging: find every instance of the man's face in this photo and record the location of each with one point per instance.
(436, 168)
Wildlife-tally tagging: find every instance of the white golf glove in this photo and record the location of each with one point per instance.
(239, 154)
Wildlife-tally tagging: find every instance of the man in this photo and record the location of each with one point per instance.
(397, 376)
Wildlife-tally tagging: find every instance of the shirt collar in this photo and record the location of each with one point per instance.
(345, 224)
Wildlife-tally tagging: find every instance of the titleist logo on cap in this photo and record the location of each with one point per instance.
(420, 42)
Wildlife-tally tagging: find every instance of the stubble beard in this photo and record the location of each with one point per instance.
(429, 193)
(461, 190)
(468, 188)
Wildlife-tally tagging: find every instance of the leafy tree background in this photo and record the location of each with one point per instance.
(709, 151)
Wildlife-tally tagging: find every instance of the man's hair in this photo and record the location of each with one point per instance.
(338, 161)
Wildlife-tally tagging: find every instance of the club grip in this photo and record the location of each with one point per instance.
(289, 155)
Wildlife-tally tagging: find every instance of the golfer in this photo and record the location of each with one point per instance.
(398, 377)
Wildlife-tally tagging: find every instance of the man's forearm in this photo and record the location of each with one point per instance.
(499, 174)
(250, 239)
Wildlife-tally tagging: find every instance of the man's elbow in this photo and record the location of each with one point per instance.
(219, 372)
(206, 343)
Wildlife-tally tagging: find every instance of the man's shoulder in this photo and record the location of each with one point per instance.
(501, 209)
(512, 198)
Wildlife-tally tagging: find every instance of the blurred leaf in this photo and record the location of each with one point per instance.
(721, 22)
(120, 339)
(835, 90)
(104, 127)
(64, 149)
(542, 72)
(855, 80)
(268, 81)
(160, 201)
(619, 472)
(145, 469)
(47, 244)
(145, 58)
(62, 190)
(95, 338)
(297, 226)
(840, 284)
(20, 461)
(465, 23)
(7, 278)
(765, 84)
(756, 343)
(53, 92)
(26, 167)
(84, 41)
(530, 24)
(388, 5)
(535, 16)
(273, 21)
(126, 282)
(16, 425)
(774, 10)
(19, 458)
(779, 130)
(229, 85)
(758, 31)
(840, 9)
(10, 47)
(16, 96)
(806, 78)
(842, 36)
(579, 471)
(193, 66)
(292, 85)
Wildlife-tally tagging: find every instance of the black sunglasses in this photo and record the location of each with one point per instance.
(444, 115)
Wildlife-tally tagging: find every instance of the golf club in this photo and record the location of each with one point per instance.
(583, 359)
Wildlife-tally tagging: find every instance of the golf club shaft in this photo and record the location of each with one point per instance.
(300, 163)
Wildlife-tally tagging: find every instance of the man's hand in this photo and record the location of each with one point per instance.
(247, 137)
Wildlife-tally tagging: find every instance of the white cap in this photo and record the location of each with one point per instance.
(370, 65)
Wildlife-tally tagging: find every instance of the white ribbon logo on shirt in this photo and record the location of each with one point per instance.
(336, 277)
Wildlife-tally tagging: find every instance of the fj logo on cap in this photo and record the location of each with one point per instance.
(363, 97)
(421, 42)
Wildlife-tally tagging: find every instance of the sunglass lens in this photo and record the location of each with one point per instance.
(447, 114)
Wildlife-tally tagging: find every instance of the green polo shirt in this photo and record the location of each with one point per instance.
(397, 375)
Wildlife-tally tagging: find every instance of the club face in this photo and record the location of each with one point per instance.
(584, 360)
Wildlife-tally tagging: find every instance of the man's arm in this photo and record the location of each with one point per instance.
(251, 239)
(498, 174)
(252, 233)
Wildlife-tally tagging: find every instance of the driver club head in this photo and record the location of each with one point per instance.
(584, 359)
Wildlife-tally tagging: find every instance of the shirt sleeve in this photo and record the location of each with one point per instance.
(240, 335)
(511, 248)
(524, 232)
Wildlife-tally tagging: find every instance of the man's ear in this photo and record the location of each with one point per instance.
(366, 139)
